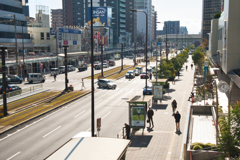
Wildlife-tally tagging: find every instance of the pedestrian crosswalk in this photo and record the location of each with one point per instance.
(132, 81)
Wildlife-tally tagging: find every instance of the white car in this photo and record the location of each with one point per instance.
(105, 65)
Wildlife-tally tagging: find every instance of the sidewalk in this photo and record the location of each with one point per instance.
(163, 142)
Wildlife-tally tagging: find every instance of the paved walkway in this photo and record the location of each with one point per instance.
(163, 142)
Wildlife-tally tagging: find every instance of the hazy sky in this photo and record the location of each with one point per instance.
(188, 12)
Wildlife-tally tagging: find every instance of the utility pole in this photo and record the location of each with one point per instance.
(151, 50)
(101, 45)
(56, 36)
(23, 68)
(65, 60)
(135, 46)
(166, 43)
(4, 81)
(16, 51)
(122, 57)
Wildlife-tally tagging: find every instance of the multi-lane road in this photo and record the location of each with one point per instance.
(41, 136)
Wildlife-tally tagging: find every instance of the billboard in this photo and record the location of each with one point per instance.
(102, 16)
(137, 116)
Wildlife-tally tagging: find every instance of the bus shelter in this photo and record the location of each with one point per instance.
(138, 110)
(157, 89)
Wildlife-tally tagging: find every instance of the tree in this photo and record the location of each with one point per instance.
(166, 69)
(230, 133)
(217, 15)
(204, 42)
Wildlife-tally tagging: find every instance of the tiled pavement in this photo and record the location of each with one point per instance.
(163, 142)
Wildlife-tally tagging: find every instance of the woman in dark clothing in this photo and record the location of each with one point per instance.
(177, 117)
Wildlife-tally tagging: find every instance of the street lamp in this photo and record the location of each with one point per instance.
(166, 39)
(135, 10)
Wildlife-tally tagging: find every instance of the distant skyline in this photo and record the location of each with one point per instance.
(189, 13)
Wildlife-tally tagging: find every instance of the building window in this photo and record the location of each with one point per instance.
(42, 35)
(48, 36)
(48, 49)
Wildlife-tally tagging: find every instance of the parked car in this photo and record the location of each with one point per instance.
(82, 66)
(14, 79)
(106, 83)
(112, 63)
(137, 72)
(70, 68)
(130, 74)
(62, 69)
(97, 66)
(149, 90)
(105, 61)
(11, 88)
(144, 75)
(54, 71)
(35, 77)
(105, 65)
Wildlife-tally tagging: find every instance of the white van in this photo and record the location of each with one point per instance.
(35, 77)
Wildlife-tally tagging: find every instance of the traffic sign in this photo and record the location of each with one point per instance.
(159, 44)
(24, 51)
(65, 42)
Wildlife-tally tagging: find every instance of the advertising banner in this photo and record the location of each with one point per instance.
(102, 16)
(65, 30)
(158, 92)
(52, 32)
(137, 116)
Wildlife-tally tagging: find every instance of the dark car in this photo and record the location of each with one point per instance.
(149, 90)
(106, 83)
(111, 63)
(144, 75)
(97, 66)
(14, 79)
(11, 88)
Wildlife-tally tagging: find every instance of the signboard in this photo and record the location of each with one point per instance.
(102, 16)
(65, 42)
(74, 42)
(159, 44)
(158, 92)
(99, 38)
(52, 32)
(24, 51)
(60, 45)
(65, 30)
(60, 36)
(137, 116)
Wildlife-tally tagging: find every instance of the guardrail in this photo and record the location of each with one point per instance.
(25, 90)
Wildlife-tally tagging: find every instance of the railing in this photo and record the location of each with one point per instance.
(25, 90)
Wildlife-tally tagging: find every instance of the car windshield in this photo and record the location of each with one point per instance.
(143, 72)
(62, 67)
(110, 81)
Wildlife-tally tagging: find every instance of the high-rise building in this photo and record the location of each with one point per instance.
(154, 24)
(131, 19)
(57, 18)
(145, 5)
(75, 13)
(183, 30)
(210, 7)
(171, 27)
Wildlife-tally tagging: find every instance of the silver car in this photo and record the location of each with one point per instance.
(106, 83)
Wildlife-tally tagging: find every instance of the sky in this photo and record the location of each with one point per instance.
(188, 12)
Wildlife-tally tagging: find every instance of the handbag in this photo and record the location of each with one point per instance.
(148, 121)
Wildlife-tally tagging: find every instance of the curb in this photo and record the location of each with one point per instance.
(8, 129)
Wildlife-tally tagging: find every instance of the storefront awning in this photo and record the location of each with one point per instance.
(235, 76)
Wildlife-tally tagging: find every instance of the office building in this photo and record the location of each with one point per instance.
(159, 32)
(210, 7)
(171, 27)
(183, 30)
(131, 19)
(75, 13)
(11, 11)
(56, 18)
(154, 25)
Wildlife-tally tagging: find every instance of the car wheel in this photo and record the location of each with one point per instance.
(19, 82)
(31, 82)
(43, 81)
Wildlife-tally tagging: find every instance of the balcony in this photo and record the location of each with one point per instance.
(122, 30)
(122, 5)
(123, 15)
(123, 20)
(122, 25)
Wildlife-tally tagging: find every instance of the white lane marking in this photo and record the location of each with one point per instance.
(120, 103)
(106, 115)
(79, 114)
(98, 101)
(13, 155)
(51, 131)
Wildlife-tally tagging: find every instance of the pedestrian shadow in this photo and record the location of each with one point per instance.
(170, 90)
(159, 106)
(178, 80)
(140, 140)
(178, 133)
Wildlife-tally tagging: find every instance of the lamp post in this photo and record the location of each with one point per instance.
(134, 10)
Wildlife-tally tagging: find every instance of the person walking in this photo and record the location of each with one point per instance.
(186, 67)
(177, 117)
(178, 74)
(174, 105)
(83, 85)
(55, 76)
(150, 114)
(129, 76)
(191, 96)
(150, 76)
(191, 66)
(127, 128)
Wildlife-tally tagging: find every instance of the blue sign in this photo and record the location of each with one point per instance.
(52, 32)
(60, 45)
(205, 73)
(24, 51)
(74, 42)
(59, 36)
(102, 16)
(65, 30)
(159, 44)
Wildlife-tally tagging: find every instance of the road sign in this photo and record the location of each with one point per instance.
(65, 42)
(159, 44)
(24, 51)
(60, 45)
(74, 42)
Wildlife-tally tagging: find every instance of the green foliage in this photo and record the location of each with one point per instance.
(198, 56)
(217, 15)
(192, 46)
(166, 69)
(197, 146)
(230, 133)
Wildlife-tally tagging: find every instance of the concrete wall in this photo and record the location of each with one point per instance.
(202, 110)
(202, 155)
